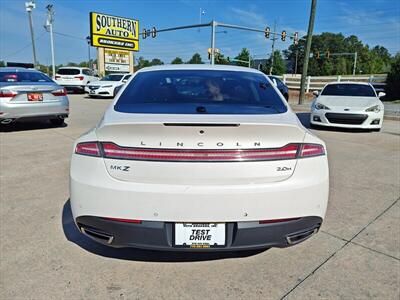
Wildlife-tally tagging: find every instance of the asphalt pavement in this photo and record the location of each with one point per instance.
(356, 254)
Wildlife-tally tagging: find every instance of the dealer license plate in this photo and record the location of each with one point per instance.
(200, 235)
(35, 97)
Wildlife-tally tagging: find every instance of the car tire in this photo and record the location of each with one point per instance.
(57, 122)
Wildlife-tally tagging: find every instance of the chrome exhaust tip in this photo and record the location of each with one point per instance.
(96, 235)
(7, 121)
(300, 236)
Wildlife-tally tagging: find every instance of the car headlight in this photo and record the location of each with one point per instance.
(374, 108)
(106, 86)
(321, 106)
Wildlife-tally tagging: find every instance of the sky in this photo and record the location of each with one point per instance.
(375, 22)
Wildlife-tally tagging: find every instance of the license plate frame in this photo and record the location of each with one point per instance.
(35, 97)
(181, 235)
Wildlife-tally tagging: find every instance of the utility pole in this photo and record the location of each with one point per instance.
(213, 25)
(355, 63)
(307, 50)
(273, 50)
(29, 6)
(297, 57)
(88, 40)
(49, 24)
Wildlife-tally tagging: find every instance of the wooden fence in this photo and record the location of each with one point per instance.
(314, 83)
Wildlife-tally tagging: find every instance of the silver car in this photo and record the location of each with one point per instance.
(26, 93)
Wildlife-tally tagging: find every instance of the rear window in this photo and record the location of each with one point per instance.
(200, 91)
(68, 72)
(358, 90)
(23, 77)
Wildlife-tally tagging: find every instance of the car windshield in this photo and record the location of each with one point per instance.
(68, 72)
(112, 78)
(356, 90)
(23, 77)
(200, 91)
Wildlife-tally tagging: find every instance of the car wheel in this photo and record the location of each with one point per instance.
(57, 122)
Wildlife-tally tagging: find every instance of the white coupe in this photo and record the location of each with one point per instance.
(348, 105)
(199, 158)
(107, 86)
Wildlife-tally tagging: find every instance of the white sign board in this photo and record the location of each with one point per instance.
(116, 67)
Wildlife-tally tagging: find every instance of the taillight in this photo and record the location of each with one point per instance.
(57, 77)
(113, 151)
(277, 220)
(88, 148)
(79, 77)
(60, 92)
(308, 150)
(7, 94)
(124, 220)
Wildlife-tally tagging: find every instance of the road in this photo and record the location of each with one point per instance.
(42, 255)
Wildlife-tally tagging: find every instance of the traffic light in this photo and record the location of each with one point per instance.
(267, 31)
(283, 35)
(153, 32)
(144, 33)
(296, 38)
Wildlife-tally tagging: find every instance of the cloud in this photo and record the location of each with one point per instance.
(248, 17)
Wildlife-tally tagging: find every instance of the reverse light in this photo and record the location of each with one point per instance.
(309, 150)
(79, 77)
(60, 92)
(7, 94)
(374, 108)
(57, 77)
(321, 106)
(88, 148)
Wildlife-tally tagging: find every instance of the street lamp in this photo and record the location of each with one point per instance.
(88, 40)
(29, 6)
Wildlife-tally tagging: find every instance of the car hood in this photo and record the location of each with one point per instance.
(348, 101)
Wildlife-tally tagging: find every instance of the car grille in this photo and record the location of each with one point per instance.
(93, 87)
(354, 119)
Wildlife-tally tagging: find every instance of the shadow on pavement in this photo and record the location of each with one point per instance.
(72, 234)
(28, 125)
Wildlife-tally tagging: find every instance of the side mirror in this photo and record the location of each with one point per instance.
(125, 80)
(315, 93)
(381, 94)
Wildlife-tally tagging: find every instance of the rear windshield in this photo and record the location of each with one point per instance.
(200, 91)
(23, 77)
(112, 78)
(359, 90)
(68, 71)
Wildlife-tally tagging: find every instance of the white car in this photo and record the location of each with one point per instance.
(199, 157)
(348, 105)
(74, 78)
(107, 86)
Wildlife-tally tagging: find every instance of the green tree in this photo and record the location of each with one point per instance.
(220, 59)
(196, 59)
(393, 79)
(177, 61)
(142, 63)
(2, 63)
(375, 60)
(244, 55)
(156, 62)
(279, 67)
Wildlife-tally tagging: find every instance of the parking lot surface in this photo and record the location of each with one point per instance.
(356, 254)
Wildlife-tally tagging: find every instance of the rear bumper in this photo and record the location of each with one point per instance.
(159, 235)
(31, 110)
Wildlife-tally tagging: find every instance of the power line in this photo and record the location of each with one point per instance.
(23, 48)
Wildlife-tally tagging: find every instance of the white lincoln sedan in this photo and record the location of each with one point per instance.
(199, 158)
(349, 105)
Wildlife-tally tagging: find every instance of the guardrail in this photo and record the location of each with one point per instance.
(318, 82)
